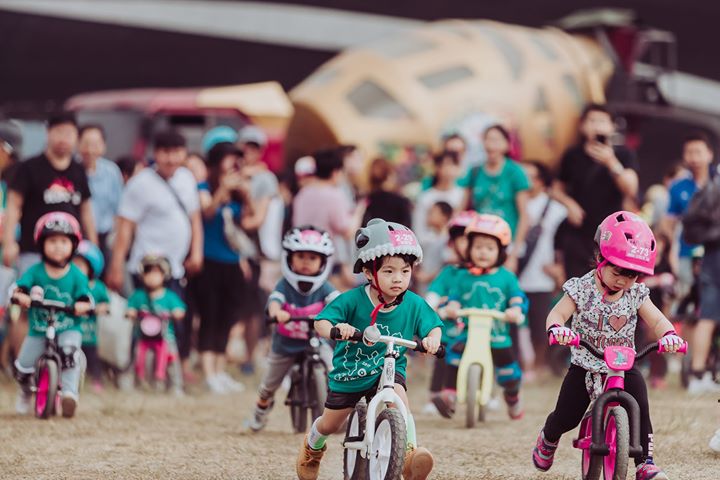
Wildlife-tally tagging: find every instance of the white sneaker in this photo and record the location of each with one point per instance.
(230, 383)
(216, 385)
(69, 404)
(494, 404)
(715, 441)
(706, 384)
(23, 403)
(430, 409)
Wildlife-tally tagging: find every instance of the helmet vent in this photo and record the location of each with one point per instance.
(652, 245)
(628, 236)
(620, 218)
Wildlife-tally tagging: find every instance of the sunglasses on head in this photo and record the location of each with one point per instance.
(149, 268)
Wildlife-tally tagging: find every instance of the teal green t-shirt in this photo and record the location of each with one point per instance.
(356, 367)
(443, 285)
(496, 194)
(492, 291)
(67, 289)
(88, 324)
(166, 304)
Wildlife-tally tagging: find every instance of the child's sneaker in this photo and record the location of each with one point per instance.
(307, 465)
(216, 385)
(69, 404)
(445, 402)
(430, 409)
(230, 383)
(259, 418)
(23, 403)
(418, 464)
(543, 453)
(715, 442)
(649, 471)
(514, 406)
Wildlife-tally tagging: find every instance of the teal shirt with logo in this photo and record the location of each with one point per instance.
(67, 289)
(167, 304)
(356, 367)
(88, 324)
(492, 291)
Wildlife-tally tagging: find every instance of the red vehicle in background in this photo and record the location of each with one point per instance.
(131, 117)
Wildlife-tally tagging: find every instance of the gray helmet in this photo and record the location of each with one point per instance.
(380, 238)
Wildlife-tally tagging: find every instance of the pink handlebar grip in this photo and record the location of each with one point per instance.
(682, 349)
(575, 342)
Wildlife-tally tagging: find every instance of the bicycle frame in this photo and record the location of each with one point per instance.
(477, 351)
(385, 393)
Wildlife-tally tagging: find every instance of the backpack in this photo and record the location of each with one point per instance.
(701, 221)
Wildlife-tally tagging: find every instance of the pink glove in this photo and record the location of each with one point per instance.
(562, 335)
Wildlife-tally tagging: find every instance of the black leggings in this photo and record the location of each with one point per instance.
(94, 365)
(573, 401)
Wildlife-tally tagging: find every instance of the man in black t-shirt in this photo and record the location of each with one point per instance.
(595, 180)
(52, 181)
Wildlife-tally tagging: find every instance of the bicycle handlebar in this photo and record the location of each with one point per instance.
(358, 337)
(52, 306)
(657, 346)
(485, 312)
(307, 319)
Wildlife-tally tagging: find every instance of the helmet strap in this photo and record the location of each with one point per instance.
(479, 270)
(383, 304)
(598, 273)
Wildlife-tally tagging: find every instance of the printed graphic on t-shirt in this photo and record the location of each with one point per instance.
(363, 364)
(61, 190)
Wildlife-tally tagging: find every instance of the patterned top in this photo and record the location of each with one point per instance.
(602, 322)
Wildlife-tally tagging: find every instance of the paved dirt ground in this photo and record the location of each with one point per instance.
(139, 436)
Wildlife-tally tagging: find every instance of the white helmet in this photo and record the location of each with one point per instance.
(307, 239)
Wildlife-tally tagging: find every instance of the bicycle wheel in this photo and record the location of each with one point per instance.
(317, 390)
(295, 398)
(47, 384)
(354, 465)
(387, 452)
(591, 464)
(617, 436)
(473, 390)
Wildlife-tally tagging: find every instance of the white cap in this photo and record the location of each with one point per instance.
(252, 134)
(305, 166)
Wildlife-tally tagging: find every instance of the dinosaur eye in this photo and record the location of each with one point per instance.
(361, 240)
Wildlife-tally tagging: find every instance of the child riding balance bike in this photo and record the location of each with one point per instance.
(57, 235)
(385, 252)
(605, 305)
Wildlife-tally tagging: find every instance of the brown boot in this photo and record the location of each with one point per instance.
(308, 462)
(418, 464)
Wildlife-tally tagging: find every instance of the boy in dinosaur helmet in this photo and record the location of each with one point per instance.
(386, 253)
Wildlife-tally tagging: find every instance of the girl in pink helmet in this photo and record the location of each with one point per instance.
(604, 306)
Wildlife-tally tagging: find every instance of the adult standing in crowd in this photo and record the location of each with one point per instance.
(697, 157)
(384, 201)
(499, 187)
(52, 181)
(266, 218)
(104, 179)
(444, 189)
(159, 213)
(596, 178)
(222, 286)
(545, 216)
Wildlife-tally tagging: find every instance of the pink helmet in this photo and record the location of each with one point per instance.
(626, 241)
(460, 221)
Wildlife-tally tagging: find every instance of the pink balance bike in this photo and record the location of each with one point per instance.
(610, 429)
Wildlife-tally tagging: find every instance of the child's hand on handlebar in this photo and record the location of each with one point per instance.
(514, 315)
(431, 344)
(563, 335)
(346, 330)
(22, 299)
(82, 308)
(450, 310)
(671, 342)
(282, 316)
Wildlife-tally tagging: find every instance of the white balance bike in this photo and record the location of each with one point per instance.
(378, 453)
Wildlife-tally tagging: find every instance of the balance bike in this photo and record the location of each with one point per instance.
(378, 453)
(475, 372)
(610, 429)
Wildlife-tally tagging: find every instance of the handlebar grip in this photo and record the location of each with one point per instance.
(335, 335)
(683, 348)
(575, 342)
(439, 354)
